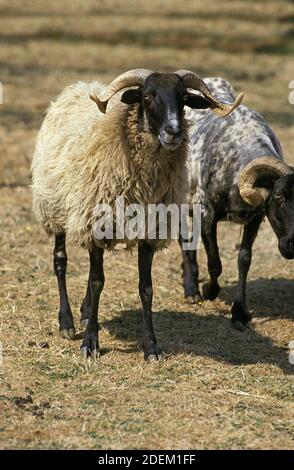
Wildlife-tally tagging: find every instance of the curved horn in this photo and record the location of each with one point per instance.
(191, 80)
(131, 78)
(260, 167)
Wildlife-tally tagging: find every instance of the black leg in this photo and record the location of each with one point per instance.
(90, 345)
(209, 237)
(86, 306)
(145, 258)
(190, 275)
(66, 323)
(240, 314)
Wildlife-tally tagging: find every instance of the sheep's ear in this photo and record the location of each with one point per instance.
(196, 101)
(132, 96)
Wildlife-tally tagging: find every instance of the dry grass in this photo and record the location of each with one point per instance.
(216, 388)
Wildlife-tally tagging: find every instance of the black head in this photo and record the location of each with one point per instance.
(280, 212)
(269, 182)
(163, 97)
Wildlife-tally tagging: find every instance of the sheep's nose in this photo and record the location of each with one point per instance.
(290, 244)
(287, 247)
(173, 130)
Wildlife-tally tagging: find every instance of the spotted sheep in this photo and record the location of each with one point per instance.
(92, 151)
(237, 173)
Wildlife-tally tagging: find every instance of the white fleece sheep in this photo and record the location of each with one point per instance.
(84, 157)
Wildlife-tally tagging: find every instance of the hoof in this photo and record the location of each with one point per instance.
(90, 347)
(152, 354)
(194, 299)
(242, 326)
(241, 317)
(68, 333)
(84, 323)
(210, 291)
(86, 353)
(153, 357)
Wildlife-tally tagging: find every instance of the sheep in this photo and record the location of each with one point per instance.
(236, 173)
(86, 157)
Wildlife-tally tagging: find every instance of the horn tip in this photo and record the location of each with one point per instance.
(225, 110)
(239, 98)
(251, 196)
(101, 104)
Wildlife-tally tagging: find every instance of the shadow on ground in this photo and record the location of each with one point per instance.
(200, 335)
(267, 297)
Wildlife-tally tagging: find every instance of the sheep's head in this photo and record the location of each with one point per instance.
(163, 97)
(269, 181)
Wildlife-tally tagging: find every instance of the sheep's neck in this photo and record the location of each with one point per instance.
(142, 142)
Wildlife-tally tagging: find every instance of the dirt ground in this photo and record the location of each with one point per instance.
(216, 388)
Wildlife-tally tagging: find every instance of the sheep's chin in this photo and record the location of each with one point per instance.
(171, 147)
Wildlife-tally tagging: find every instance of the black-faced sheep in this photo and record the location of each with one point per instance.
(237, 173)
(86, 157)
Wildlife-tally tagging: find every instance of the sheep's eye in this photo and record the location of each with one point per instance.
(279, 198)
(148, 98)
(186, 97)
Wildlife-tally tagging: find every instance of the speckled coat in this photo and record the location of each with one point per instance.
(84, 158)
(218, 151)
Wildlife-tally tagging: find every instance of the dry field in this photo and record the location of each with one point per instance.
(216, 388)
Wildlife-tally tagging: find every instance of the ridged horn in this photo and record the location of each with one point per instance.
(135, 77)
(263, 167)
(192, 80)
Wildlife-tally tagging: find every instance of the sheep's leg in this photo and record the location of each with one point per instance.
(86, 306)
(146, 253)
(66, 323)
(241, 316)
(209, 237)
(90, 345)
(190, 274)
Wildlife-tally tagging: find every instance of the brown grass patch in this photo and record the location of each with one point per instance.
(216, 388)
